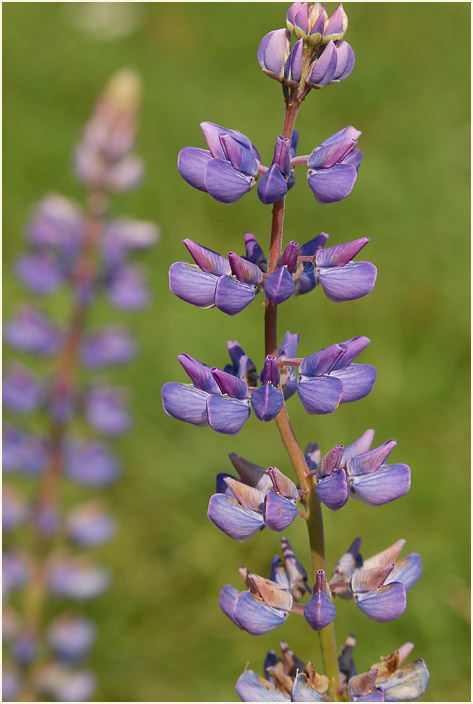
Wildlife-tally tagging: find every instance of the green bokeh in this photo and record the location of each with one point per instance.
(162, 636)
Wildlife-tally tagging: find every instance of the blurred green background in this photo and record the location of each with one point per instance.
(162, 636)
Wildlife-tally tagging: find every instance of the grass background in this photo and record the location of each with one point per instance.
(162, 636)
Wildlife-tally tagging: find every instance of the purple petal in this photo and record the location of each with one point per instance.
(208, 260)
(337, 24)
(88, 525)
(230, 384)
(128, 290)
(250, 687)
(232, 296)
(321, 362)
(376, 696)
(303, 692)
(328, 155)
(358, 380)
(112, 345)
(270, 373)
(341, 254)
(293, 65)
(330, 462)
(289, 256)
(320, 395)
(383, 486)
(279, 512)
(407, 571)
(273, 52)
(224, 183)
(244, 270)
(251, 474)
(191, 164)
(273, 186)
(106, 412)
(22, 391)
(236, 521)
(406, 684)
(227, 415)
(313, 245)
(334, 184)
(319, 611)
(384, 604)
(279, 286)
(282, 155)
(266, 402)
(349, 282)
(254, 253)
(333, 490)
(362, 444)
(14, 509)
(345, 61)
(228, 598)
(289, 345)
(199, 373)
(239, 156)
(256, 617)
(31, 331)
(371, 460)
(92, 465)
(191, 284)
(71, 638)
(212, 134)
(40, 272)
(352, 348)
(354, 158)
(125, 174)
(322, 70)
(185, 402)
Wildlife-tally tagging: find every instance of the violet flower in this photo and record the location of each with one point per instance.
(333, 166)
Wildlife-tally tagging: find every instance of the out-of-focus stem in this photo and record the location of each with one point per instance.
(307, 482)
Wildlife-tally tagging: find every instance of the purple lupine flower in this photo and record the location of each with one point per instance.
(15, 570)
(110, 346)
(319, 611)
(227, 170)
(77, 578)
(267, 400)
(14, 509)
(40, 272)
(123, 236)
(127, 289)
(24, 647)
(105, 410)
(89, 525)
(32, 331)
(261, 609)
(71, 638)
(288, 376)
(241, 508)
(22, 451)
(91, 464)
(305, 277)
(273, 53)
(64, 684)
(274, 184)
(333, 166)
(363, 688)
(279, 285)
(22, 390)
(11, 683)
(57, 225)
(401, 683)
(329, 377)
(341, 278)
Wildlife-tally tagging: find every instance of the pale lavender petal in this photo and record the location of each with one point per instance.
(349, 282)
(77, 579)
(128, 289)
(345, 61)
(361, 445)
(327, 156)
(244, 270)
(333, 490)
(256, 617)
(293, 65)
(384, 604)
(189, 283)
(71, 638)
(266, 402)
(354, 158)
(406, 684)
(279, 286)
(320, 395)
(337, 24)
(273, 52)
(112, 345)
(22, 391)
(224, 183)
(227, 415)
(321, 362)
(89, 525)
(322, 70)
(371, 460)
(209, 261)
(228, 598)
(303, 692)
(236, 521)
(106, 411)
(289, 345)
(330, 461)
(212, 134)
(233, 296)
(31, 331)
(357, 380)
(273, 186)
(279, 512)
(376, 696)
(383, 486)
(319, 611)
(199, 373)
(40, 272)
(191, 164)
(334, 184)
(14, 509)
(341, 254)
(92, 465)
(250, 687)
(282, 484)
(185, 402)
(407, 571)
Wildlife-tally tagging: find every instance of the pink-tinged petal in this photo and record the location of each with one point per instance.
(208, 260)
(233, 296)
(319, 611)
(334, 184)
(328, 155)
(250, 473)
(248, 496)
(322, 70)
(227, 415)
(270, 592)
(349, 132)
(385, 557)
(282, 484)
(279, 286)
(321, 362)
(230, 384)
(185, 402)
(292, 13)
(347, 283)
(199, 373)
(333, 490)
(189, 283)
(303, 692)
(250, 687)
(256, 617)
(345, 61)
(320, 395)
(357, 380)
(385, 604)
(228, 598)
(266, 402)
(362, 444)
(407, 684)
(224, 183)
(244, 270)
(273, 52)
(341, 254)
(191, 164)
(239, 155)
(362, 684)
(337, 24)
(125, 174)
(383, 486)
(330, 462)
(407, 571)
(236, 521)
(370, 461)
(279, 512)
(273, 186)
(367, 580)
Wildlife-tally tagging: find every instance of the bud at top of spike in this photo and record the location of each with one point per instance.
(124, 90)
